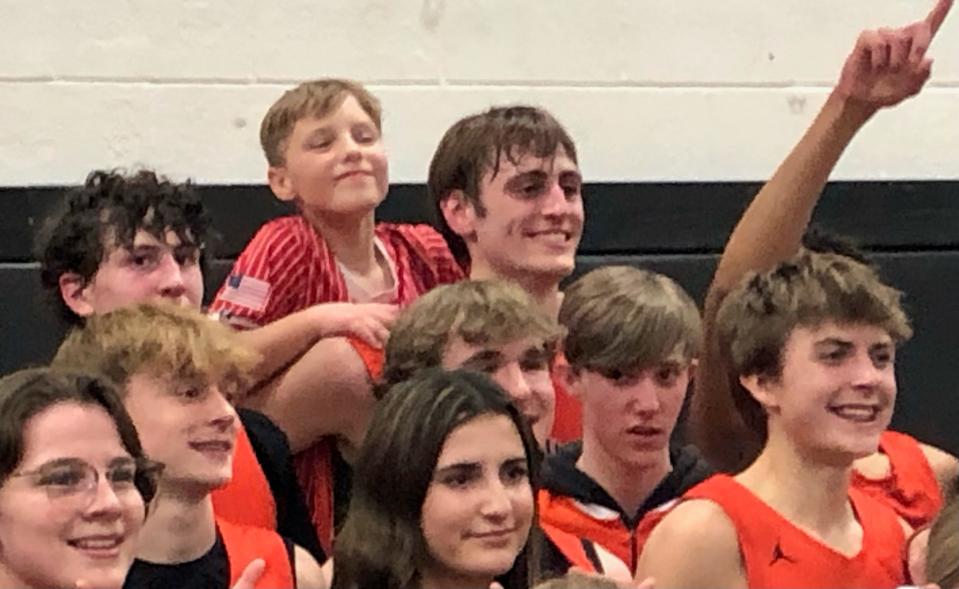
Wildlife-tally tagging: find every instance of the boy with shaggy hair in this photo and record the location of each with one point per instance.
(127, 238)
(632, 340)
(485, 325)
(178, 372)
(813, 342)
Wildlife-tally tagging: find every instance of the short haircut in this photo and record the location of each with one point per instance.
(382, 544)
(757, 317)
(623, 319)
(28, 393)
(316, 98)
(477, 311)
(106, 213)
(162, 340)
(475, 145)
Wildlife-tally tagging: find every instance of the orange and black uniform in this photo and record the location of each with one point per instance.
(911, 487)
(563, 551)
(775, 553)
(220, 568)
(574, 503)
(264, 491)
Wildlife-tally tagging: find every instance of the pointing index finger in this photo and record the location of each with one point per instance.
(938, 15)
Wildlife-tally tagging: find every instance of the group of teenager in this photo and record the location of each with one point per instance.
(400, 406)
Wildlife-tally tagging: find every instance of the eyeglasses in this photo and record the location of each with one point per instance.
(73, 478)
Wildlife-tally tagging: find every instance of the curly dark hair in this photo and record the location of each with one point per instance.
(108, 211)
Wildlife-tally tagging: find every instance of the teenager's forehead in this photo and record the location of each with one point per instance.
(458, 346)
(144, 237)
(831, 330)
(518, 160)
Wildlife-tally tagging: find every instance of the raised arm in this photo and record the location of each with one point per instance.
(285, 340)
(885, 67)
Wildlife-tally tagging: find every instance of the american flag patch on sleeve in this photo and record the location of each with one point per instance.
(246, 291)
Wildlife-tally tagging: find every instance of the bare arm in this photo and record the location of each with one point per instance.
(326, 392)
(772, 227)
(696, 545)
(885, 68)
(285, 340)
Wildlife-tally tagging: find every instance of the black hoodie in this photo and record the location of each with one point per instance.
(562, 480)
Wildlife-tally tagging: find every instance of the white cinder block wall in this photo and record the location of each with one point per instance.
(651, 89)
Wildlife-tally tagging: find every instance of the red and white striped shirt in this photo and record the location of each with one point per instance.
(288, 267)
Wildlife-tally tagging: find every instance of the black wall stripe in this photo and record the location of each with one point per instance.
(679, 229)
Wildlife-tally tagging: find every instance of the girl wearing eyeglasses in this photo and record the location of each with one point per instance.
(74, 482)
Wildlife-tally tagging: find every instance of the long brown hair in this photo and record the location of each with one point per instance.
(381, 544)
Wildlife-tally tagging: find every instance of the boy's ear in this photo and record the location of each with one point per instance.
(75, 292)
(570, 377)
(280, 183)
(459, 213)
(693, 369)
(760, 388)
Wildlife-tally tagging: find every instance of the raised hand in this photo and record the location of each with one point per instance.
(370, 322)
(889, 65)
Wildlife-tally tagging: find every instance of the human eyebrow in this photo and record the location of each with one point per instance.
(881, 346)
(364, 126)
(56, 463)
(833, 349)
(463, 470)
(670, 364)
(537, 355)
(518, 460)
(834, 342)
(483, 359)
(142, 249)
(571, 176)
(186, 251)
(320, 134)
(519, 182)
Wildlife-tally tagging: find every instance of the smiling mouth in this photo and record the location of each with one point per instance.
(103, 546)
(212, 446)
(353, 174)
(555, 235)
(855, 413)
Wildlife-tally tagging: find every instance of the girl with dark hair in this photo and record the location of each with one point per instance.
(442, 493)
(74, 482)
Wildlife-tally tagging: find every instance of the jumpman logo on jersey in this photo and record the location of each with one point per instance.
(778, 555)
